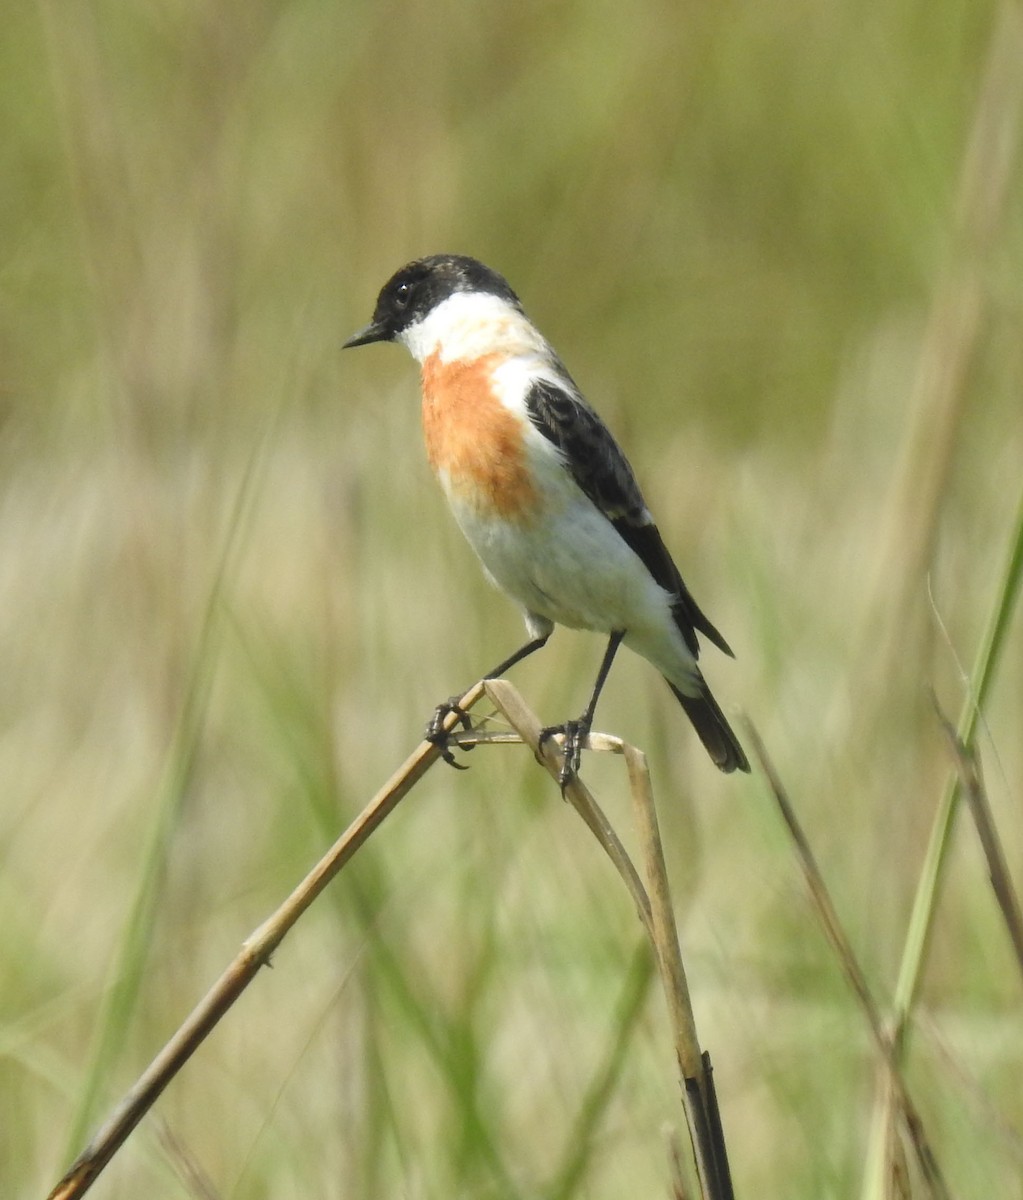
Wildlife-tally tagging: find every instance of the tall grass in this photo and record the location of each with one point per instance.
(735, 222)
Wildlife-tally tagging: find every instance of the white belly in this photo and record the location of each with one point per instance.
(573, 568)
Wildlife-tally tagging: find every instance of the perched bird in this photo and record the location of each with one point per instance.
(542, 491)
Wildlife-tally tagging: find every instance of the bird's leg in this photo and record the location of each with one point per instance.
(576, 732)
(435, 731)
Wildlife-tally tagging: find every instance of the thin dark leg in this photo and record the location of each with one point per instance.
(522, 652)
(576, 732)
(435, 731)
(609, 655)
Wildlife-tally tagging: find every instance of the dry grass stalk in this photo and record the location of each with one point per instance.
(972, 784)
(839, 941)
(658, 918)
(654, 910)
(254, 954)
(956, 322)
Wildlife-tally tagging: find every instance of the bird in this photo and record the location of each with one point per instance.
(543, 493)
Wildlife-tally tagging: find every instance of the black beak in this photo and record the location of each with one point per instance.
(375, 331)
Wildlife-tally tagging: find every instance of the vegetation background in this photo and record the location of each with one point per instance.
(780, 246)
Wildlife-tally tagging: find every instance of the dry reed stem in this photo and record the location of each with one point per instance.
(655, 911)
(709, 1145)
(824, 907)
(256, 952)
(954, 326)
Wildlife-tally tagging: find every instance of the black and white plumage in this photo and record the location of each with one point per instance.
(541, 489)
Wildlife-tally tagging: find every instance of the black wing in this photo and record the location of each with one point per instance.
(603, 474)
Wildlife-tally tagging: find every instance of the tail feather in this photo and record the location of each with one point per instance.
(713, 729)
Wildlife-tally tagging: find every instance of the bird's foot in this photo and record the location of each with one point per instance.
(441, 737)
(574, 734)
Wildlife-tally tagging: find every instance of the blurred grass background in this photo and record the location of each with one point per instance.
(231, 594)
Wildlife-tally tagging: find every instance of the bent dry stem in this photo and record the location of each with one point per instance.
(255, 953)
(654, 911)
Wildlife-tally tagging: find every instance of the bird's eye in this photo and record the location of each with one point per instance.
(403, 294)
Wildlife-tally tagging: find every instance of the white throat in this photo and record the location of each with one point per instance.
(468, 325)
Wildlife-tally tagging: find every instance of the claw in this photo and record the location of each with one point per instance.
(440, 737)
(447, 756)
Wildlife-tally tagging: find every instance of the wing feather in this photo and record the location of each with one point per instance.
(604, 475)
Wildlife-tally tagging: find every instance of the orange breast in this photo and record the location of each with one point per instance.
(474, 439)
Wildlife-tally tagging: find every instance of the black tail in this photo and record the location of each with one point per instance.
(713, 730)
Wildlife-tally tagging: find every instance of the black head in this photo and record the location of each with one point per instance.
(420, 286)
